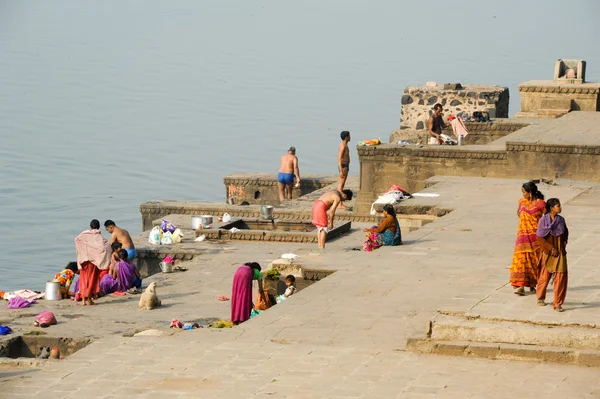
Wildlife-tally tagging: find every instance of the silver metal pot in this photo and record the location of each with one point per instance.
(266, 212)
(166, 267)
(53, 291)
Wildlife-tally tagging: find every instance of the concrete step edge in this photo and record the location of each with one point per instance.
(501, 351)
(444, 328)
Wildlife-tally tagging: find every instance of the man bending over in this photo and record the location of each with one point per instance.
(325, 206)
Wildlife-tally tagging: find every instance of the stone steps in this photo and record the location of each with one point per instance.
(458, 335)
(496, 351)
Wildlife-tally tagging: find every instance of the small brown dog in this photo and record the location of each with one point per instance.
(149, 300)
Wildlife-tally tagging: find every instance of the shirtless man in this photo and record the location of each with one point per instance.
(435, 124)
(287, 170)
(122, 236)
(343, 159)
(325, 207)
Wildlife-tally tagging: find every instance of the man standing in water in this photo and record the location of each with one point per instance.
(343, 159)
(287, 170)
(122, 236)
(325, 206)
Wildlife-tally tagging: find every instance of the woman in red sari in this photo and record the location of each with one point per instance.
(524, 270)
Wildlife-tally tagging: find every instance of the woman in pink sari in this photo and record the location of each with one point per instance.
(241, 292)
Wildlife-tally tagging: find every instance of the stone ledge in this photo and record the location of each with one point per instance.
(499, 351)
(393, 150)
(562, 89)
(513, 146)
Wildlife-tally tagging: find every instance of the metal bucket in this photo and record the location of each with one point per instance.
(53, 291)
(266, 212)
(460, 139)
(166, 267)
(201, 220)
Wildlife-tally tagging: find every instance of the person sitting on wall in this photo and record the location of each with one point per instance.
(435, 125)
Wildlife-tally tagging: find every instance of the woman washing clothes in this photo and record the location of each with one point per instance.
(241, 292)
(387, 233)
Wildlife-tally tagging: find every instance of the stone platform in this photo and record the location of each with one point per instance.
(568, 147)
(343, 337)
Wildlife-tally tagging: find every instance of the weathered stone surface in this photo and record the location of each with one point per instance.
(490, 97)
(261, 188)
(406, 99)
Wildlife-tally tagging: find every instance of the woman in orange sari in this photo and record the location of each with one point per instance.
(524, 270)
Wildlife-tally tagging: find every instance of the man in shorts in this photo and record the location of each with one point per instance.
(287, 170)
(122, 236)
(325, 206)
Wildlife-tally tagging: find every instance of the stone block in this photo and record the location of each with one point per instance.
(488, 351)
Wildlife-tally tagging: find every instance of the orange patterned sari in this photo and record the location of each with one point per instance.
(524, 270)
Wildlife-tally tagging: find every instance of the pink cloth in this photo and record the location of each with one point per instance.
(319, 213)
(241, 294)
(459, 127)
(91, 247)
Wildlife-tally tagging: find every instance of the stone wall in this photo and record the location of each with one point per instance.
(479, 132)
(262, 189)
(409, 167)
(418, 102)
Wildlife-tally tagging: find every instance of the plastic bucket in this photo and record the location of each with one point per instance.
(53, 291)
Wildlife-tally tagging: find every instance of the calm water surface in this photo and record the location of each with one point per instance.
(104, 105)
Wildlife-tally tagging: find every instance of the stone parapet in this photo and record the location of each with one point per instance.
(547, 98)
(418, 101)
(180, 213)
(480, 133)
(262, 188)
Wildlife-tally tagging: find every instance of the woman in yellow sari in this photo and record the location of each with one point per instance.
(524, 270)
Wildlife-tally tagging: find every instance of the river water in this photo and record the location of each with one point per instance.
(105, 105)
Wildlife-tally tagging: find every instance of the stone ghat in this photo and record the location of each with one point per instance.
(409, 216)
